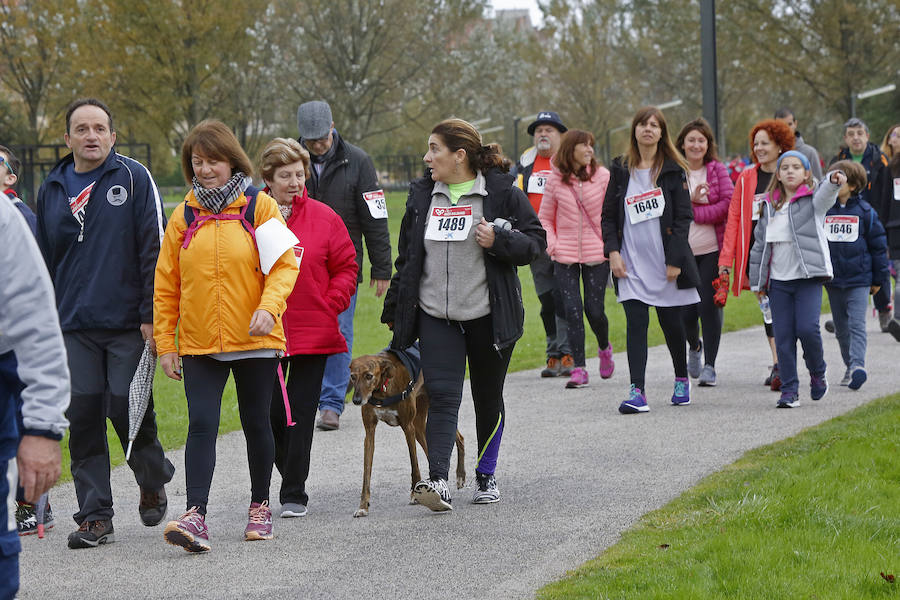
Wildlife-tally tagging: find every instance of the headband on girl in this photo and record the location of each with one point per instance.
(796, 155)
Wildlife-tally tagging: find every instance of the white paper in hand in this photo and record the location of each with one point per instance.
(273, 238)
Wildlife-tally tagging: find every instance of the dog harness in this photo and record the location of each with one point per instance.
(412, 361)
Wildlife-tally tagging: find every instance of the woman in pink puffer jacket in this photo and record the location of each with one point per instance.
(570, 213)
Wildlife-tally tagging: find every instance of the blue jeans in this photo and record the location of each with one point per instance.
(848, 311)
(796, 306)
(337, 367)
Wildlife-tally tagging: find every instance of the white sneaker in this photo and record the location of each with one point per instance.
(433, 494)
(487, 492)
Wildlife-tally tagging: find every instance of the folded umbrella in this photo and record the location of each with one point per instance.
(139, 393)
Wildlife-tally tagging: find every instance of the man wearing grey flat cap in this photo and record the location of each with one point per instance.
(343, 177)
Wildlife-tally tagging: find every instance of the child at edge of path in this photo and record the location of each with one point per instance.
(858, 246)
(790, 261)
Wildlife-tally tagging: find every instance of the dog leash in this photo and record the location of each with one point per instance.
(287, 405)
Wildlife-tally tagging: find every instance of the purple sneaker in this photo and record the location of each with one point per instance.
(579, 378)
(607, 365)
(818, 386)
(259, 524)
(636, 402)
(682, 394)
(189, 532)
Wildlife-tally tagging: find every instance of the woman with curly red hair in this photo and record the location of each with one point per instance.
(769, 139)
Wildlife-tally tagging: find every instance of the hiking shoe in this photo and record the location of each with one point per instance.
(894, 329)
(636, 402)
(694, 365)
(682, 394)
(487, 492)
(775, 384)
(433, 494)
(857, 378)
(818, 386)
(845, 381)
(708, 376)
(26, 518)
(91, 534)
(829, 326)
(189, 531)
(259, 522)
(553, 368)
(579, 378)
(566, 364)
(607, 364)
(788, 400)
(884, 319)
(328, 420)
(152, 506)
(292, 509)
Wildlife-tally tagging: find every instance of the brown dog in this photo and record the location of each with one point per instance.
(375, 379)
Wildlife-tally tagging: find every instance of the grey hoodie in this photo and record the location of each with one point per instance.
(29, 326)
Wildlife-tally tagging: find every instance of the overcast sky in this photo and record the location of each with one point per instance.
(531, 5)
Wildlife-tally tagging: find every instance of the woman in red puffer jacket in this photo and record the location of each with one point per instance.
(327, 261)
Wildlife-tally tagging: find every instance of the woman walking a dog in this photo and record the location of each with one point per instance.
(327, 261)
(465, 230)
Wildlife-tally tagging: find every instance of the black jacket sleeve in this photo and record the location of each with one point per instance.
(678, 250)
(390, 298)
(609, 219)
(375, 231)
(524, 243)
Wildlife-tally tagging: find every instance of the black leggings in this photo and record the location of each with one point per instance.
(707, 311)
(204, 382)
(445, 346)
(637, 319)
(595, 278)
(303, 374)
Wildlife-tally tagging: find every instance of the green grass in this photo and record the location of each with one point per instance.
(813, 516)
(371, 336)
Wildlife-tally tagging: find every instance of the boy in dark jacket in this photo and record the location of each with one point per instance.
(858, 246)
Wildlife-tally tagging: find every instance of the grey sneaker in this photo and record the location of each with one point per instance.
(433, 494)
(292, 509)
(884, 319)
(694, 361)
(487, 492)
(845, 380)
(788, 400)
(708, 376)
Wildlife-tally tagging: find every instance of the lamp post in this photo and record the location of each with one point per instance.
(816, 131)
(868, 94)
(516, 121)
(609, 133)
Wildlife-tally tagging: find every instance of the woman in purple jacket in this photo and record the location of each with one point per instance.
(711, 190)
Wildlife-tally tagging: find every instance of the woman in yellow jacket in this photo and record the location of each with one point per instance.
(210, 287)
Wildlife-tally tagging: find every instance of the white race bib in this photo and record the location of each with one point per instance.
(537, 181)
(758, 200)
(646, 206)
(896, 188)
(841, 228)
(449, 224)
(376, 203)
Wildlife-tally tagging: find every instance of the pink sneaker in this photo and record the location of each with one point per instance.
(579, 378)
(607, 364)
(188, 531)
(259, 524)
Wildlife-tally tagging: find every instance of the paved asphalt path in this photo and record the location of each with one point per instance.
(573, 473)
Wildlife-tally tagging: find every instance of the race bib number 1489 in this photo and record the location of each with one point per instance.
(449, 224)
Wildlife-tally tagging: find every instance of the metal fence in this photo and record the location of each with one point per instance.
(38, 160)
(395, 171)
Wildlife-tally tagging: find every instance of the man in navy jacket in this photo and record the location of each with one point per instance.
(100, 222)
